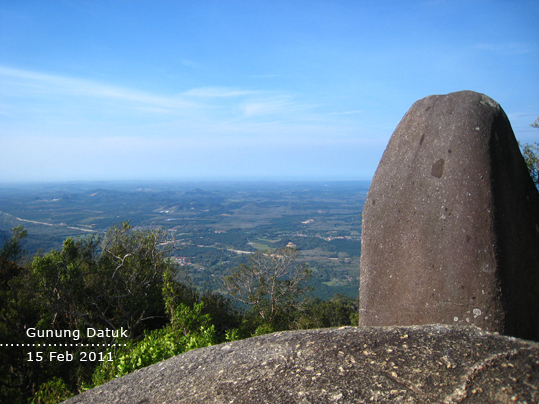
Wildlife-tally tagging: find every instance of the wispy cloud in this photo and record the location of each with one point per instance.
(105, 131)
(507, 48)
(262, 108)
(59, 105)
(273, 104)
(522, 115)
(266, 76)
(247, 103)
(212, 92)
(357, 111)
(46, 84)
(190, 63)
(55, 106)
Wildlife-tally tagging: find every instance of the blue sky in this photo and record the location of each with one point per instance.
(288, 90)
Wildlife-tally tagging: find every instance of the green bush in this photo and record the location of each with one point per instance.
(51, 392)
(189, 330)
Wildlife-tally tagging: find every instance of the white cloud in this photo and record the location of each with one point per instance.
(271, 105)
(68, 128)
(39, 84)
(217, 103)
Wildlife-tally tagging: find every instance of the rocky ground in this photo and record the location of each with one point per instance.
(416, 364)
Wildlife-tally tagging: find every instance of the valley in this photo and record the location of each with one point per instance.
(216, 225)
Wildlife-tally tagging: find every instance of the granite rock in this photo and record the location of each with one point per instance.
(451, 223)
(416, 364)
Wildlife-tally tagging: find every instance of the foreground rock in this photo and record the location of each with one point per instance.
(451, 223)
(419, 364)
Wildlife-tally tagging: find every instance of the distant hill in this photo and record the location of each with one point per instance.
(208, 220)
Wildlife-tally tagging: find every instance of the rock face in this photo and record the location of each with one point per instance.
(451, 223)
(418, 364)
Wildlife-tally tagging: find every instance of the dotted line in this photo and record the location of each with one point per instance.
(75, 345)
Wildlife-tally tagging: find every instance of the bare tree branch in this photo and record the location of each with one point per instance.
(272, 282)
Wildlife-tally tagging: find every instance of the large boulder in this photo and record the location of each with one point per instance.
(451, 223)
(418, 364)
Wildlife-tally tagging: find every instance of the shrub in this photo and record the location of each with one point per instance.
(189, 330)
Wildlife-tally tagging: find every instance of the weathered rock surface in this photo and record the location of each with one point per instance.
(417, 364)
(451, 223)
